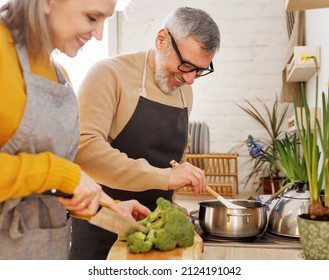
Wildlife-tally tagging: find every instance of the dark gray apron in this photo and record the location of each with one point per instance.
(159, 134)
(36, 226)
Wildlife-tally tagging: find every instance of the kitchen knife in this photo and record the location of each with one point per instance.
(107, 219)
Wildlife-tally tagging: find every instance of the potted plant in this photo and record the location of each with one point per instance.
(313, 134)
(272, 122)
(289, 160)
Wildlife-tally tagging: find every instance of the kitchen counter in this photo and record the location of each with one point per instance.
(242, 252)
(231, 250)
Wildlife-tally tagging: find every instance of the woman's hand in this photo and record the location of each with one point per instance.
(187, 175)
(87, 198)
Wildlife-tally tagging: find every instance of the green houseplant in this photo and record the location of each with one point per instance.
(271, 119)
(290, 161)
(313, 134)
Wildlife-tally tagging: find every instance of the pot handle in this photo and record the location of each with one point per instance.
(242, 215)
(238, 215)
(194, 215)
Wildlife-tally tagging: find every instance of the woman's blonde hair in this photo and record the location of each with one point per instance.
(27, 22)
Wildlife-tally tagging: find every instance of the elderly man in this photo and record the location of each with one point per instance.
(134, 120)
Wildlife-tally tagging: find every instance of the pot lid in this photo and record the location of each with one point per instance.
(297, 192)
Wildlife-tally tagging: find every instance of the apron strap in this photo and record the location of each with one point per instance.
(142, 89)
(183, 98)
(23, 58)
(25, 64)
(61, 77)
(16, 225)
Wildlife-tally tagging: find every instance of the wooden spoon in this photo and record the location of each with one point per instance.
(224, 201)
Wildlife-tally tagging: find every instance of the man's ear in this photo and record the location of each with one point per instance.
(162, 39)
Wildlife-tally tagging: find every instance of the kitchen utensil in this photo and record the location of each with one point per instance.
(217, 220)
(283, 216)
(108, 219)
(224, 201)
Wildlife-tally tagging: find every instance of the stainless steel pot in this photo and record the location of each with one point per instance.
(217, 220)
(283, 216)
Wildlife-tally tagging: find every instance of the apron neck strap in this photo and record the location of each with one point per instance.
(59, 73)
(183, 98)
(23, 58)
(142, 89)
(25, 64)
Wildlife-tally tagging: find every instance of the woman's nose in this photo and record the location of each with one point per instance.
(98, 31)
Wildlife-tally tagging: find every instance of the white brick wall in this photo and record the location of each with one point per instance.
(249, 64)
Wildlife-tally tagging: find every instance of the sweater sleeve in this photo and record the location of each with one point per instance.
(101, 106)
(24, 174)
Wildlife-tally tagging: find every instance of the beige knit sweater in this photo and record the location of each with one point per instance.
(108, 97)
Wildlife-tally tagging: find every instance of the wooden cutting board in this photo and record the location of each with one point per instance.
(120, 251)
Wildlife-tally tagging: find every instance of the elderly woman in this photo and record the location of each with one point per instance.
(40, 127)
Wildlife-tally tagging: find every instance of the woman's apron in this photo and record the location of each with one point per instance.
(155, 132)
(36, 226)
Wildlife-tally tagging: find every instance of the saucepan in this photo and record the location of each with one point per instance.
(217, 220)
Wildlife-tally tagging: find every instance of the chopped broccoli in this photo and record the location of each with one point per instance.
(168, 226)
(138, 243)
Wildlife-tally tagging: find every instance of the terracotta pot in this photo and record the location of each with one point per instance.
(314, 237)
(267, 188)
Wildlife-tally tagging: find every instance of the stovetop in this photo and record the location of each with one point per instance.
(266, 240)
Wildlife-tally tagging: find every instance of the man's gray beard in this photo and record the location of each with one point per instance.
(161, 75)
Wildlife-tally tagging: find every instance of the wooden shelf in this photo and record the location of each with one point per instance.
(298, 70)
(299, 5)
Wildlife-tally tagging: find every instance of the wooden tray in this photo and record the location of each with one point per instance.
(120, 251)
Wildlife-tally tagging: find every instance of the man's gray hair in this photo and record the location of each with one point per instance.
(191, 22)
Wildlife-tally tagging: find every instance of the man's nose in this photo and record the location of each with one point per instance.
(189, 77)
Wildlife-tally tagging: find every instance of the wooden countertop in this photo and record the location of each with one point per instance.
(245, 253)
(120, 251)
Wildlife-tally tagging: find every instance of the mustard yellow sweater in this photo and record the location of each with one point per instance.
(108, 97)
(25, 173)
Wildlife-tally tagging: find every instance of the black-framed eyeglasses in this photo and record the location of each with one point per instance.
(187, 67)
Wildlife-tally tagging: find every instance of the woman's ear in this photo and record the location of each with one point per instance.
(162, 39)
(47, 6)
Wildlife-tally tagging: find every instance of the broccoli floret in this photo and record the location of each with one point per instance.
(138, 243)
(162, 240)
(162, 204)
(168, 226)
